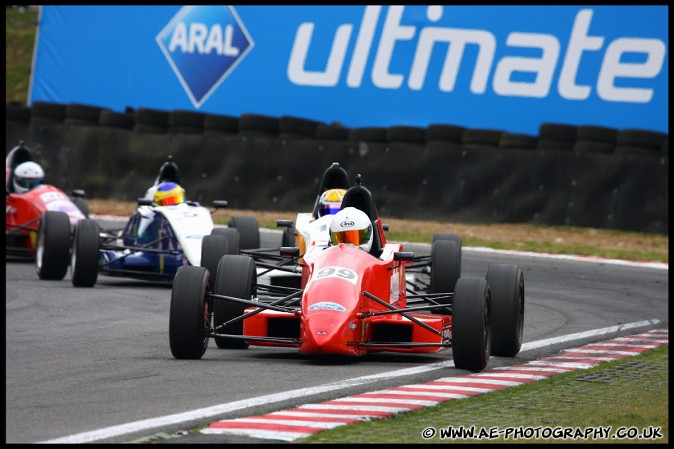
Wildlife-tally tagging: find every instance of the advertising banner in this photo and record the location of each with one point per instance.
(501, 67)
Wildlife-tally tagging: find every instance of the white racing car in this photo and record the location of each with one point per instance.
(159, 237)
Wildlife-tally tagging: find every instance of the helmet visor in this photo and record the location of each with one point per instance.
(330, 209)
(355, 237)
(29, 183)
(171, 200)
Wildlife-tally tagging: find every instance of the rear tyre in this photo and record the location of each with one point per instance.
(213, 247)
(53, 246)
(233, 241)
(249, 231)
(189, 314)
(81, 205)
(471, 324)
(506, 283)
(236, 277)
(85, 253)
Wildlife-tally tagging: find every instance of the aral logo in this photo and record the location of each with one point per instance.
(204, 44)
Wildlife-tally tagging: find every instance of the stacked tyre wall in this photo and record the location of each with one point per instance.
(587, 176)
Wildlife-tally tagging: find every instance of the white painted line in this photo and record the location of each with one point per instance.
(587, 334)
(209, 412)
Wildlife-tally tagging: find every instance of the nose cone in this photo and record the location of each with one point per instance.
(328, 332)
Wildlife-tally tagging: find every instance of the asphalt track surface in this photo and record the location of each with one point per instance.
(95, 365)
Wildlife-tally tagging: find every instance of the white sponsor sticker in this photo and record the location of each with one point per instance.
(324, 305)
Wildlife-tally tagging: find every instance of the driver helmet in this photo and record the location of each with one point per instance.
(168, 194)
(351, 226)
(330, 202)
(27, 176)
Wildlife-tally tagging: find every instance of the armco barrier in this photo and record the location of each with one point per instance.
(432, 178)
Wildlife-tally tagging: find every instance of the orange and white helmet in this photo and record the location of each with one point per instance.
(330, 202)
(352, 226)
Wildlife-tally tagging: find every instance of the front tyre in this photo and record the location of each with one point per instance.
(445, 266)
(189, 315)
(236, 277)
(85, 253)
(53, 246)
(471, 324)
(506, 283)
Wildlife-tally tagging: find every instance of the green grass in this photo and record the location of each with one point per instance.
(631, 393)
(20, 39)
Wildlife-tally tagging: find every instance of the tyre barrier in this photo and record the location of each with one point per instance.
(151, 120)
(17, 112)
(116, 119)
(450, 133)
(332, 132)
(221, 123)
(297, 127)
(514, 140)
(189, 122)
(82, 114)
(368, 134)
(409, 134)
(600, 184)
(42, 110)
(258, 125)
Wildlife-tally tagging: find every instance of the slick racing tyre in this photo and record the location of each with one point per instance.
(249, 231)
(189, 315)
(445, 269)
(85, 253)
(451, 237)
(471, 324)
(233, 241)
(445, 263)
(213, 247)
(53, 246)
(506, 283)
(81, 205)
(236, 276)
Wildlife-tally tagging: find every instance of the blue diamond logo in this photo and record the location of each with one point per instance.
(204, 44)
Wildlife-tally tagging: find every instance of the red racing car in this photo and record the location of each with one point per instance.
(39, 218)
(353, 299)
